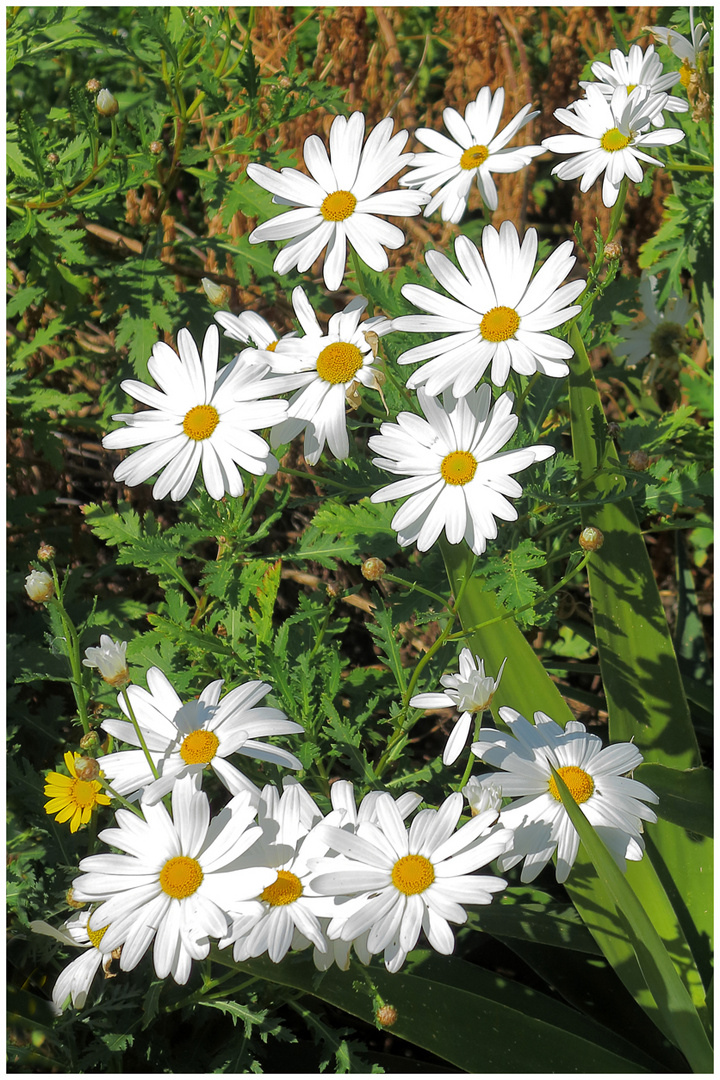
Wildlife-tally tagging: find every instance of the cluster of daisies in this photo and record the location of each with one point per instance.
(271, 872)
(491, 312)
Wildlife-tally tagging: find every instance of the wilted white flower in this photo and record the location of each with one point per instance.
(470, 691)
(109, 659)
(687, 51)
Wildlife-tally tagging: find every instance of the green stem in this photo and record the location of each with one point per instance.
(413, 586)
(521, 399)
(471, 760)
(82, 185)
(618, 210)
(72, 649)
(123, 802)
(676, 166)
(533, 603)
(360, 278)
(139, 733)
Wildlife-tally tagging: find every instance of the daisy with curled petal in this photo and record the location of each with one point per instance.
(660, 332)
(288, 909)
(470, 692)
(456, 475)
(495, 314)
(178, 882)
(324, 368)
(608, 798)
(337, 204)
(687, 51)
(637, 69)
(183, 739)
(197, 417)
(610, 138)
(109, 659)
(475, 151)
(404, 881)
(75, 980)
(71, 798)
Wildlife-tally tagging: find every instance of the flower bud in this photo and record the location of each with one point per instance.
(86, 768)
(46, 552)
(39, 586)
(216, 294)
(156, 147)
(110, 661)
(90, 742)
(591, 539)
(52, 159)
(373, 569)
(612, 250)
(638, 460)
(482, 797)
(106, 104)
(71, 901)
(386, 1015)
(92, 85)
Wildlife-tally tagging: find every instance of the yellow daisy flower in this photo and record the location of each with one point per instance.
(71, 798)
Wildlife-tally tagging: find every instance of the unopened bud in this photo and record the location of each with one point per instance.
(46, 552)
(86, 768)
(638, 460)
(71, 901)
(39, 586)
(332, 590)
(106, 104)
(482, 797)
(216, 294)
(591, 539)
(612, 250)
(90, 742)
(52, 158)
(373, 569)
(386, 1015)
(92, 85)
(156, 147)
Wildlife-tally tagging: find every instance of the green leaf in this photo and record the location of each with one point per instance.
(443, 1003)
(686, 796)
(678, 1016)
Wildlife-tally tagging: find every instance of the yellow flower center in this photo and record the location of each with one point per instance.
(83, 792)
(271, 347)
(199, 747)
(614, 140)
(686, 74)
(338, 205)
(631, 86)
(458, 467)
(96, 936)
(473, 157)
(579, 784)
(200, 422)
(413, 874)
(337, 363)
(285, 890)
(181, 877)
(499, 323)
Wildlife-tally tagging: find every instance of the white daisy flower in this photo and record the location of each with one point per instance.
(178, 882)
(249, 327)
(342, 796)
(457, 478)
(610, 137)
(475, 151)
(496, 315)
(407, 880)
(324, 369)
(637, 69)
(595, 776)
(336, 204)
(288, 909)
(75, 980)
(183, 739)
(197, 417)
(687, 51)
(470, 692)
(660, 332)
(482, 797)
